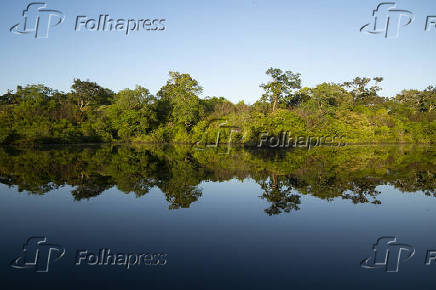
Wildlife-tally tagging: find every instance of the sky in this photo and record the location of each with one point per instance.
(226, 45)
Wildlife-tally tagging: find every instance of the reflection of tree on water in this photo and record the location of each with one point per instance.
(277, 190)
(182, 197)
(326, 173)
(363, 191)
(421, 179)
(90, 186)
(180, 179)
(278, 193)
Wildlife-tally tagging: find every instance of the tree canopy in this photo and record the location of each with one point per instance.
(178, 113)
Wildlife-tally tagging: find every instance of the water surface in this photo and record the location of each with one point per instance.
(252, 219)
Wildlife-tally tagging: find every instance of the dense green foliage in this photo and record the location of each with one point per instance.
(284, 176)
(177, 114)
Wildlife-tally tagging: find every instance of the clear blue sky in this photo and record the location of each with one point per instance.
(226, 45)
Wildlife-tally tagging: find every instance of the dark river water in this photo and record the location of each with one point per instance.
(144, 217)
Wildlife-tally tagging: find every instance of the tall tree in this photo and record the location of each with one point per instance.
(133, 112)
(86, 94)
(362, 92)
(421, 101)
(180, 96)
(281, 87)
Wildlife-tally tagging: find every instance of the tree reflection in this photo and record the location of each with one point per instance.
(351, 173)
(278, 192)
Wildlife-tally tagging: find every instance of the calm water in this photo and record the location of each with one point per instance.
(248, 219)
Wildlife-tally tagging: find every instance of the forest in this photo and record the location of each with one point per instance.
(179, 114)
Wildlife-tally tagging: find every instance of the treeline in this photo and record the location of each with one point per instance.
(176, 114)
(177, 172)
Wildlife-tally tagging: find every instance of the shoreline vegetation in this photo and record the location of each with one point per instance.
(353, 111)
